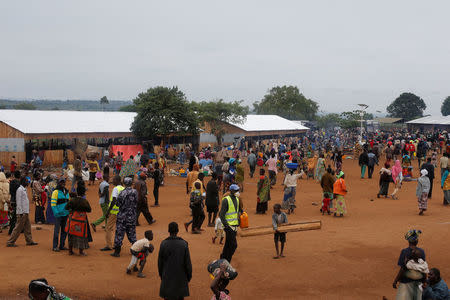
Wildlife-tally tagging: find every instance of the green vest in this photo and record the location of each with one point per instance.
(115, 208)
(232, 213)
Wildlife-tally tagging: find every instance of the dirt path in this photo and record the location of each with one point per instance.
(349, 258)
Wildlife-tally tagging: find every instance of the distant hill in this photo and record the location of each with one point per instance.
(62, 104)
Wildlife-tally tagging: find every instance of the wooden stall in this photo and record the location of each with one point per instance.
(53, 158)
(8, 133)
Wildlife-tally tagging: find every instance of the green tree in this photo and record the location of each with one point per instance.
(25, 106)
(163, 111)
(445, 108)
(287, 102)
(352, 119)
(104, 100)
(217, 113)
(407, 106)
(128, 108)
(328, 121)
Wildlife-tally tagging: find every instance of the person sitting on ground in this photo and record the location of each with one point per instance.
(435, 288)
(279, 218)
(39, 289)
(139, 251)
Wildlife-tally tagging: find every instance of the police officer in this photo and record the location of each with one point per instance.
(229, 215)
(126, 218)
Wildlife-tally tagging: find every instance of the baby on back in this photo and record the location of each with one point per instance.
(417, 267)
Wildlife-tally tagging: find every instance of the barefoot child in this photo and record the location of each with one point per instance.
(219, 231)
(139, 251)
(279, 218)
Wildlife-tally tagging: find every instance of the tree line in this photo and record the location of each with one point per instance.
(163, 110)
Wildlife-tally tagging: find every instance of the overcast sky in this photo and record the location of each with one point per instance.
(339, 53)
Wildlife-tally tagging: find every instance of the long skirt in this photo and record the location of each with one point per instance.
(272, 177)
(409, 291)
(423, 201)
(3, 217)
(384, 188)
(289, 198)
(39, 216)
(446, 197)
(78, 242)
(49, 214)
(341, 208)
(261, 207)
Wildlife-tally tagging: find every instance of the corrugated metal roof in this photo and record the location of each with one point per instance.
(268, 123)
(388, 120)
(60, 121)
(432, 120)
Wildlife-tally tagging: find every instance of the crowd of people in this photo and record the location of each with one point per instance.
(318, 155)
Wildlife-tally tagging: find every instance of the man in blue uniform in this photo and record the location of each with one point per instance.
(126, 218)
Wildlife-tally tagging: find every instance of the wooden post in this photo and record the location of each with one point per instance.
(290, 227)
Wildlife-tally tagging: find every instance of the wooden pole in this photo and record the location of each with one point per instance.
(290, 227)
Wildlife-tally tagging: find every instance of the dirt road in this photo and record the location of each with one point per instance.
(353, 257)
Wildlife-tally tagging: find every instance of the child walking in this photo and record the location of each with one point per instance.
(196, 205)
(219, 231)
(140, 251)
(279, 218)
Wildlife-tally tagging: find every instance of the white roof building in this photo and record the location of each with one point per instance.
(431, 120)
(49, 122)
(269, 123)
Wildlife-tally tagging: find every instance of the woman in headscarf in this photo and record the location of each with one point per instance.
(77, 225)
(36, 189)
(338, 161)
(240, 175)
(340, 190)
(4, 200)
(327, 183)
(445, 185)
(129, 168)
(262, 192)
(191, 178)
(408, 288)
(423, 187)
(320, 168)
(397, 177)
(51, 183)
(385, 179)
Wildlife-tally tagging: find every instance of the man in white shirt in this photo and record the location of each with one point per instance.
(137, 158)
(22, 211)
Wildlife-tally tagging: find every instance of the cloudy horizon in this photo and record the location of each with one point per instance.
(339, 53)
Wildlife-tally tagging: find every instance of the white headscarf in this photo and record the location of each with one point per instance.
(424, 172)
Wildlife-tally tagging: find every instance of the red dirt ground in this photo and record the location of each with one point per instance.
(349, 258)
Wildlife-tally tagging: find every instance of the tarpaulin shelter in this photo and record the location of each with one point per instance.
(127, 150)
